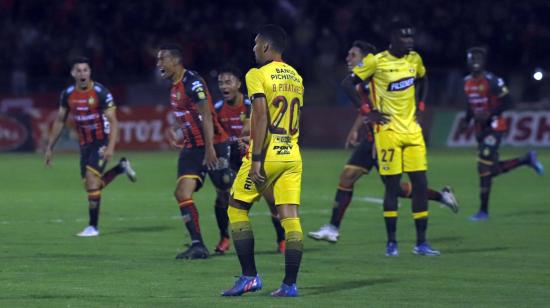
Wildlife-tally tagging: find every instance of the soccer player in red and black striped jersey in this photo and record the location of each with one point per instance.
(205, 147)
(234, 115)
(93, 110)
(487, 98)
(362, 159)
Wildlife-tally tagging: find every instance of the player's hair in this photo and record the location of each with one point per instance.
(477, 49)
(80, 60)
(174, 49)
(275, 35)
(230, 69)
(365, 47)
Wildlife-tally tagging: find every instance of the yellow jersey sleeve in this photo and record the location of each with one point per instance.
(254, 84)
(420, 68)
(366, 67)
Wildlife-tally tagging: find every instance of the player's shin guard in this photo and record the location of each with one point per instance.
(341, 202)
(110, 175)
(421, 224)
(94, 201)
(190, 217)
(390, 205)
(420, 204)
(243, 239)
(220, 209)
(486, 172)
(294, 248)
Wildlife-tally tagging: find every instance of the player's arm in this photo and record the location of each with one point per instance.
(57, 127)
(501, 91)
(210, 159)
(351, 140)
(257, 135)
(258, 125)
(421, 85)
(110, 114)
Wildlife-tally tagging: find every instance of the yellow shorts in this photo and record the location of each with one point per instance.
(284, 176)
(399, 152)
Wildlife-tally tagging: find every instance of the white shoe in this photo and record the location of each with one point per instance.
(449, 199)
(327, 232)
(89, 231)
(125, 164)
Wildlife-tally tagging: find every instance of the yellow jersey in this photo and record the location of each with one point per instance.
(282, 87)
(392, 87)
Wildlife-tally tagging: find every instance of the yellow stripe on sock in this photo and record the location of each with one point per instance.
(419, 215)
(390, 213)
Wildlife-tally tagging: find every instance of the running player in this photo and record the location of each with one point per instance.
(204, 149)
(93, 110)
(399, 86)
(487, 98)
(273, 160)
(234, 116)
(362, 160)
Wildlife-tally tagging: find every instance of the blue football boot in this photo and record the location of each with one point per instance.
(286, 291)
(243, 285)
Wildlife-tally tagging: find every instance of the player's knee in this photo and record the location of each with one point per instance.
(349, 176)
(237, 215)
(222, 199)
(419, 180)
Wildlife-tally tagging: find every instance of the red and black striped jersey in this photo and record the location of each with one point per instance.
(185, 94)
(87, 109)
(483, 95)
(232, 117)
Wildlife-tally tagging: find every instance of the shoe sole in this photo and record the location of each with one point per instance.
(322, 238)
(454, 206)
(418, 253)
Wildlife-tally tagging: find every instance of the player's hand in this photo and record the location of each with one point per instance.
(210, 159)
(48, 156)
(255, 173)
(377, 117)
(351, 140)
(108, 153)
(243, 144)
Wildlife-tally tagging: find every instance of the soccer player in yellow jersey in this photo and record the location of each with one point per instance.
(273, 159)
(399, 87)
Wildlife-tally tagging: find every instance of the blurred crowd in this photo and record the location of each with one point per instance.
(37, 38)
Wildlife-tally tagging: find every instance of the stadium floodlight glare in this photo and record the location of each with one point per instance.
(538, 75)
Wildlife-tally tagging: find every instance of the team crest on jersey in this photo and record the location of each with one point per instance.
(201, 95)
(178, 95)
(411, 70)
(91, 100)
(242, 116)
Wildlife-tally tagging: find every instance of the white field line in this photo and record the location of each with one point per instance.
(328, 210)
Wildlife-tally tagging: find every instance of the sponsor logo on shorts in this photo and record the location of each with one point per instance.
(401, 84)
(282, 149)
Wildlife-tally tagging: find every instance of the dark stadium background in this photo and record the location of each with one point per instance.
(38, 38)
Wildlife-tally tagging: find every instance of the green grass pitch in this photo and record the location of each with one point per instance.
(502, 262)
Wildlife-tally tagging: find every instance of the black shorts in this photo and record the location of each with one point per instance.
(235, 157)
(488, 142)
(363, 156)
(90, 158)
(190, 162)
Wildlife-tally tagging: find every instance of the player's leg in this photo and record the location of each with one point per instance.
(359, 164)
(279, 231)
(190, 179)
(445, 196)
(287, 190)
(415, 164)
(487, 167)
(389, 154)
(123, 166)
(91, 167)
(222, 178)
(243, 193)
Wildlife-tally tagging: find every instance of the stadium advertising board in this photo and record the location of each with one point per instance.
(525, 128)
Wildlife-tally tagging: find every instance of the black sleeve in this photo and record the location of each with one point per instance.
(106, 100)
(64, 100)
(196, 89)
(500, 90)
